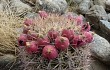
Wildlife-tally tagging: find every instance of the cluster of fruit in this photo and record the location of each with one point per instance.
(54, 41)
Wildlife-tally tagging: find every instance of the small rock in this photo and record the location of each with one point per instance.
(1, 7)
(19, 7)
(109, 17)
(31, 15)
(100, 2)
(77, 1)
(54, 6)
(100, 48)
(84, 6)
(97, 65)
(107, 3)
(6, 59)
(105, 26)
(105, 29)
(30, 2)
(95, 14)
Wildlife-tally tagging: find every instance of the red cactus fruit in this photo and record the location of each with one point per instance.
(81, 42)
(79, 20)
(78, 41)
(43, 41)
(22, 40)
(32, 47)
(75, 40)
(86, 27)
(88, 37)
(32, 35)
(61, 43)
(25, 29)
(28, 22)
(68, 33)
(43, 14)
(52, 34)
(49, 52)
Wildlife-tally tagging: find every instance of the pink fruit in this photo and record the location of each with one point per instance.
(43, 14)
(88, 37)
(81, 42)
(79, 20)
(32, 47)
(22, 40)
(61, 43)
(43, 41)
(68, 33)
(49, 52)
(75, 41)
(52, 34)
(78, 41)
(28, 22)
(86, 27)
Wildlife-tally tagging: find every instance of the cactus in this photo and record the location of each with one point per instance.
(57, 37)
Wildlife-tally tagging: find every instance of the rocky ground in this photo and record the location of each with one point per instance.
(96, 12)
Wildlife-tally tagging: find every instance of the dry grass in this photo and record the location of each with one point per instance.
(8, 32)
